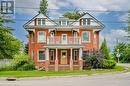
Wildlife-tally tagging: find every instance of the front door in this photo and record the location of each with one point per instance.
(64, 39)
(64, 57)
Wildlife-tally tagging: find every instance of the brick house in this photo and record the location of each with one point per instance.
(59, 44)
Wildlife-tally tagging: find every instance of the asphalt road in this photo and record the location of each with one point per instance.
(118, 79)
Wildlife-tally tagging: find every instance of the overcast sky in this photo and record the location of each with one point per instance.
(113, 30)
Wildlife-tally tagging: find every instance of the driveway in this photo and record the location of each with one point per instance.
(116, 79)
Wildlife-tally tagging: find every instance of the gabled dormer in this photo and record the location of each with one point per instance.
(39, 20)
(87, 20)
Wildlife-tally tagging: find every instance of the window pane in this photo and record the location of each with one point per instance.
(41, 37)
(86, 36)
(41, 55)
(84, 21)
(39, 21)
(43, 21)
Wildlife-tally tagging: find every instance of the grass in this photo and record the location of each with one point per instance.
(19, 74)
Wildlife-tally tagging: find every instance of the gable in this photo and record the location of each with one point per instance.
(33, 21)
(87, 16)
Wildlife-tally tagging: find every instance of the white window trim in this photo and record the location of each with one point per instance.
(38, 37)
(53, 56)
(38, 55)
(41, 21)
(74, 55)
(89, 37)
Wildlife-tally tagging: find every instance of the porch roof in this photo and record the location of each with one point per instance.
(63, 46)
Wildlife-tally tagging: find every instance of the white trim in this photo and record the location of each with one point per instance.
(38, 37)
(38, 55)
(89, 37)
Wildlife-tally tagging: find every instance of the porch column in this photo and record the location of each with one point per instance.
(71, 60)
(80, 58)
(47, 59)
(56, 60)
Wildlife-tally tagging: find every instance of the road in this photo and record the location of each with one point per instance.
(116, 79)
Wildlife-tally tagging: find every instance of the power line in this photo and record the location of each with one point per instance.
(120, 11)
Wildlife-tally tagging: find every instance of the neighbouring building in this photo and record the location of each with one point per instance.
(59, 44)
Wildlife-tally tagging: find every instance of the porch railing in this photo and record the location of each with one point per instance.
(60, 40)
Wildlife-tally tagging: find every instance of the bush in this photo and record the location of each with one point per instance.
(109, 64)
(93, 59)
(20, 62)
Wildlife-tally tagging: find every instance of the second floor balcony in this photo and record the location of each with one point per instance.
(63, 40)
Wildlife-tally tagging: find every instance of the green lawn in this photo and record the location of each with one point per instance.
(60, 73)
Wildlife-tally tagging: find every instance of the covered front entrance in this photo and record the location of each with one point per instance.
(64, 59)
(63, 56)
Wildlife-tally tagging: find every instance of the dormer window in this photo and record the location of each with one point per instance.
(63, 22)
(40, 21)
(86, 21)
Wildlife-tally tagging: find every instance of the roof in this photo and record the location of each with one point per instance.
(56, 25)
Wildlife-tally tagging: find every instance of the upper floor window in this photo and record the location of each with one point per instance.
(40, 21)
(86, 21)
(41, 36)
(41, 55)
(86, 36)
(63, 22)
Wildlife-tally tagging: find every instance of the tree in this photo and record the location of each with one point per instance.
(73, 15)
(122, 48)
(9, 45)
(105, 50)
(124, 51)
(43, 7)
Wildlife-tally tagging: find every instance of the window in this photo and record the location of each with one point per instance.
(88, 21)
(63, 22)
(86, 36)
(40, 21)
(84, 21)
(76, 55)
(41, 55)
(52, 55)
(41, 37)
(95, 39)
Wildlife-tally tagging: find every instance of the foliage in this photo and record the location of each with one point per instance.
(94, 59)
(43, 7)
(20, 62)
(124, 51)
(105, 50)
(73, 15)
(109, 64)
(9, 44)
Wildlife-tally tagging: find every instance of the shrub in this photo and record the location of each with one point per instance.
(109, 64)
(94, 59)
(22, 62)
